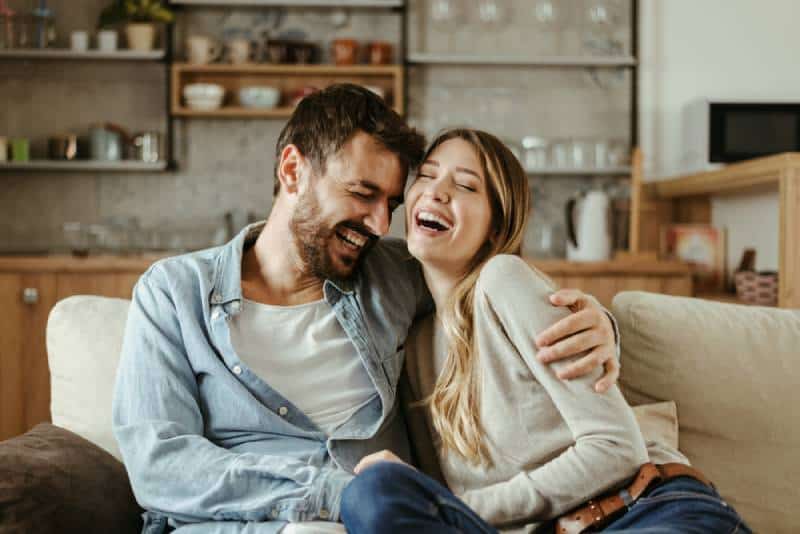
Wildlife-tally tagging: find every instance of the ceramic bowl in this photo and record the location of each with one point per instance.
(263, 97)
(204, 103)
(203, 90)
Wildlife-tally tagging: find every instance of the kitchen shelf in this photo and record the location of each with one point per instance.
(287, 78)
(89, 55)
(556, 171)
(294, 3)
(85, 166)
(541, 61)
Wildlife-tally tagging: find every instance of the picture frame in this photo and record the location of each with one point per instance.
(702, 246)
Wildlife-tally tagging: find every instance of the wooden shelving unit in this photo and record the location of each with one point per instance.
(287, 78)
(687, 199)
(623, 172)
(378, 4)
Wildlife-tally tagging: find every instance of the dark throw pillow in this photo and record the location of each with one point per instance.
(52, 480)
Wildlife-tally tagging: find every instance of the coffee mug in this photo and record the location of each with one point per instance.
(79, 41)
(344, 51)
(202, 50)
(20, 150)
(107, 40)
(380, 53)
(241, 51)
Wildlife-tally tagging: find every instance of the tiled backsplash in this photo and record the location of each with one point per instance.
(226, 165)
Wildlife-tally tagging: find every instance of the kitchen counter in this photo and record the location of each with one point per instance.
(65, 263)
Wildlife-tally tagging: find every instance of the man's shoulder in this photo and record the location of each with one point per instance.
(389, 253)
(184, 270)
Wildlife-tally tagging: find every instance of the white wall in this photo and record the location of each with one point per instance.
(691, 49)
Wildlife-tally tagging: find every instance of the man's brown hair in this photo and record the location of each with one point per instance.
(325, 120)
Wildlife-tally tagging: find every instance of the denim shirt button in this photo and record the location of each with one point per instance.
(283, 410)
(323, 514)
(237, 370)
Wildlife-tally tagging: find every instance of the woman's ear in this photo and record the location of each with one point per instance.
(289, 169)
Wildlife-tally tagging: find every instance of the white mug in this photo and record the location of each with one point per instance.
(240, 51)
(107, 40)
(3, 149)
(79, 41)
(202, 50)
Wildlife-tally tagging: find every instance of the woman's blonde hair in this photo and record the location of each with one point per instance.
(455, 401)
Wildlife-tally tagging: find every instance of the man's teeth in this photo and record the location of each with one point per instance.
(352, 237)
(432, 217)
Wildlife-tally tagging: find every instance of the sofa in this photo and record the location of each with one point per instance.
(731, 370)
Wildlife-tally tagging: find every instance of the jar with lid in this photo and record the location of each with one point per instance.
(535, 152)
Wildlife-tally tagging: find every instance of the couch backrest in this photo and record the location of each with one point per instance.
(733, 371)
(84, 340)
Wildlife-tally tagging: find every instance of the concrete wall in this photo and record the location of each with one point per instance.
(227, 164)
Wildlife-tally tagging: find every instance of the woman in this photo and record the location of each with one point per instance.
(516, 445)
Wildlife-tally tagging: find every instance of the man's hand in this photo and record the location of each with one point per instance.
(375, 457)
(587, 329)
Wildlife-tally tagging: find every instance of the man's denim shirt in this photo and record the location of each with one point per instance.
(206, 441)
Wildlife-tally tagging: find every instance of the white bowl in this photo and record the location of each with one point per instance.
(203, 103)
(203, 90)
(259, 96)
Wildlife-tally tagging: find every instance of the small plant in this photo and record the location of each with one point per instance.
(135, 11)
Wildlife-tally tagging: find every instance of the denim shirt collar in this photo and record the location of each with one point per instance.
(227, 285)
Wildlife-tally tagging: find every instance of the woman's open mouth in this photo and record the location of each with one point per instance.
(432, 223)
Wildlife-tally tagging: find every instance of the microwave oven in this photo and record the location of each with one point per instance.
(727, 131)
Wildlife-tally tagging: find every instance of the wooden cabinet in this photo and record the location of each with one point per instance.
(29, 288)
(605, 279)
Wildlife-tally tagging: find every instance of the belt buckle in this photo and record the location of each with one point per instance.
(598, 516)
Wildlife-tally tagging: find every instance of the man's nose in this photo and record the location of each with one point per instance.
(379, 219)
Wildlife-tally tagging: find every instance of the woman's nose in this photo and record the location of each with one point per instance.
(438, 191)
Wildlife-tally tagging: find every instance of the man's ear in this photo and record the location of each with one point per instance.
(290, 168)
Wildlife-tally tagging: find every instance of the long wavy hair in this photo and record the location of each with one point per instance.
(455, 401)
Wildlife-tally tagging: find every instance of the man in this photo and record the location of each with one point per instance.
(256, 375)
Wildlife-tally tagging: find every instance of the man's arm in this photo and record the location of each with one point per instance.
(159, 425)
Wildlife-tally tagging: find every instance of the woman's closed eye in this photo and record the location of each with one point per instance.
(466, 187)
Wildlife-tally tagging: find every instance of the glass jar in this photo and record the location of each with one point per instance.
(582, 154)
(43, 28)
(535, 153)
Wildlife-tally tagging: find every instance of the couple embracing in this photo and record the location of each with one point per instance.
(310, 376)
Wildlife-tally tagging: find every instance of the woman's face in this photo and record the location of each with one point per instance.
(448, 213)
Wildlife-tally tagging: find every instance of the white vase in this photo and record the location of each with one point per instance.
(141, 36)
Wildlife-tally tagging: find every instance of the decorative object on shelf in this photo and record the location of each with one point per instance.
(7, 26)
(79, 41)
(588, 227)
(536, 155)
(106, 141)
(379, 53)
(20, 150)
(700, 245)
(204, 96)
(147, 147)
(491, 14)
(240, 51)
(107, 40)
(260, 97)
(754, 287)
(140, 17)
(63, 147)
(202, 50)
(3, 149)
(344, 51)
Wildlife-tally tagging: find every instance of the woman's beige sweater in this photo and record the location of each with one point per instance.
(553, 443)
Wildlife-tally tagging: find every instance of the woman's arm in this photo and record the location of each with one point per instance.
(512, 300)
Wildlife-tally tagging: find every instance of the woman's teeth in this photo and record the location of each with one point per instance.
(433, 221)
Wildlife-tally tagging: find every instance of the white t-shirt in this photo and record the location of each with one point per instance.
(305, 355)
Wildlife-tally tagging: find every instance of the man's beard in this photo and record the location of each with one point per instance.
(313, 237)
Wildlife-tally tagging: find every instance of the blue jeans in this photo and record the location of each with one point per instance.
(391, 497)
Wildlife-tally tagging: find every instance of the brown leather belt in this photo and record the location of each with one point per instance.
(598, 512)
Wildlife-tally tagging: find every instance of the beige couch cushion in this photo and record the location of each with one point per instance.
(733, 372)
(84, 340)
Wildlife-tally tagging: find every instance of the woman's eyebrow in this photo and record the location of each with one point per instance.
(468, 171)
